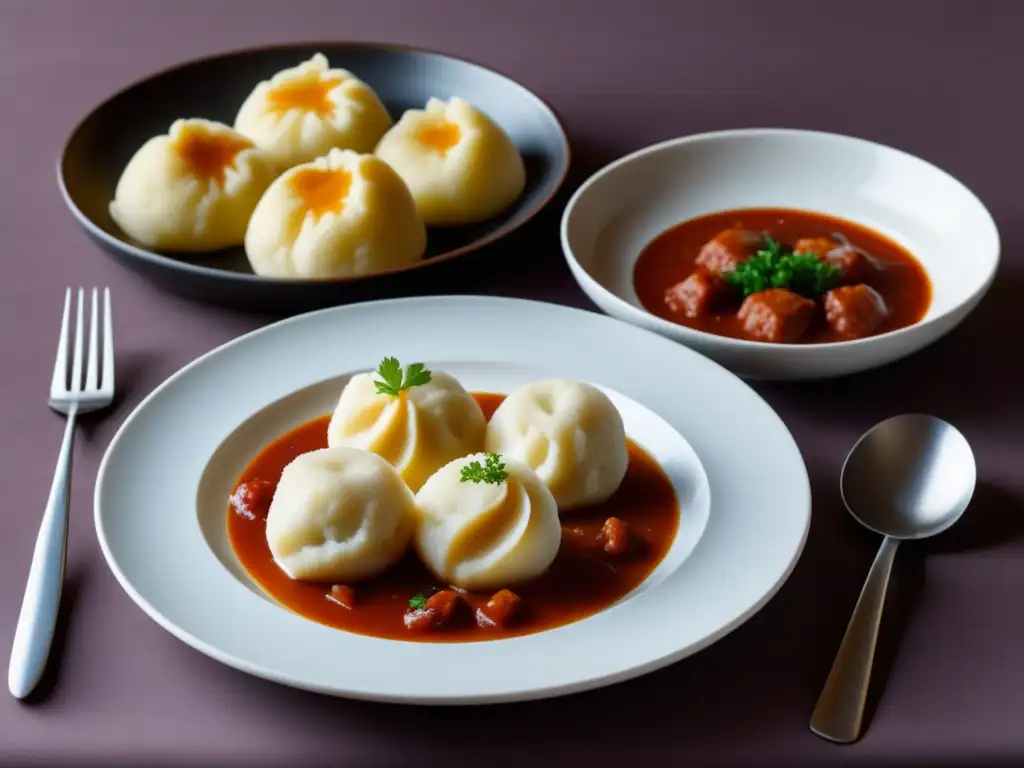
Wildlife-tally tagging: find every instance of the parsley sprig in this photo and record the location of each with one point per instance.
(493, 471)
(775, 265)
(418, 602)
(390, 371)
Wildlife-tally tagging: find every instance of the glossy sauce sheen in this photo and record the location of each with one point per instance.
(582, 581)
(670, 258)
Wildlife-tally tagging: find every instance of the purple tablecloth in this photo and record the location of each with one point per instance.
(939, 79)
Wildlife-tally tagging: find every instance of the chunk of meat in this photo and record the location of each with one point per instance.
(252, 498)
(776, 315)
(854, 311)
(499, 610)
(698, 294)
(419, 619)
(852, 263)
(616, 536)
(343, 595)
(726, 250)
(819, 246)
(443, 604)
(438, 611)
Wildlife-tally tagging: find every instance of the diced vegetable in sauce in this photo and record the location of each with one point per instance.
(615, 536)
(500, 610)
(252, 499)
(343, 595)
(436, 612)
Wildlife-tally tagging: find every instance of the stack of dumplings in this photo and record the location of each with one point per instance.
(406, 468)
(315, 180)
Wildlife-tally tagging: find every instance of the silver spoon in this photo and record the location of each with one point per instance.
(908, 477)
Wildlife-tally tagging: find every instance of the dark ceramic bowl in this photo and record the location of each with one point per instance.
(214, 88)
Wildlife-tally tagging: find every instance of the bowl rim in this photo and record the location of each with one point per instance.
(640, 315)
(158, 259)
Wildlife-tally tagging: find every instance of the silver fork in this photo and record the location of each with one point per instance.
(34, 633)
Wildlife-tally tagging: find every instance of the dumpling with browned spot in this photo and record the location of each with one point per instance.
(341, 215)
(305, 111)
(191, 189)
(461, 165)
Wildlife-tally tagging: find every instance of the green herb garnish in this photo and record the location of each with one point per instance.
(492, 472)
(775, 265)
(418, 602)
(391, 371)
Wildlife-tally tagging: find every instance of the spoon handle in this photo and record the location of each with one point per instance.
(840, 709)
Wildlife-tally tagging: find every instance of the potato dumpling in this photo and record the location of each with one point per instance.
(459, 164)
(418, 431)
(488, 533)
(569, 433)
(191, 189)
(303, 112)
(341, 215)
(339, 514)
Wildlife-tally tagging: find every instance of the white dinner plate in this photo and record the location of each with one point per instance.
(741, 481)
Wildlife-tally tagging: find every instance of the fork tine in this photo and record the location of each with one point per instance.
(59, 382)
(108, 345)
(92, 367)
(76, 366)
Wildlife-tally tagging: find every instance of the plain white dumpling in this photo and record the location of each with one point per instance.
(420, 430)
(340, 215)
(191, 189)
(486, 535)
(460, 165)
(338, 515)
(569, 432)
(303, 112)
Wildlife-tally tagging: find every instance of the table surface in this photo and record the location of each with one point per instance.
(939, 79)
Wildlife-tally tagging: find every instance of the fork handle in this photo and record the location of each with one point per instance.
(34, 633)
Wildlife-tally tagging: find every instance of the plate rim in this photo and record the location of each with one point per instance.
(442, 699)
(157, 259)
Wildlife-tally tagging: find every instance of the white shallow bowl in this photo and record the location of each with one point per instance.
(739, 476)
(621, 208)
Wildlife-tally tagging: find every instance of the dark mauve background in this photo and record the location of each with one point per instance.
(939, 79)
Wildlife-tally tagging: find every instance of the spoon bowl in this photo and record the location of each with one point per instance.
(908, 477)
